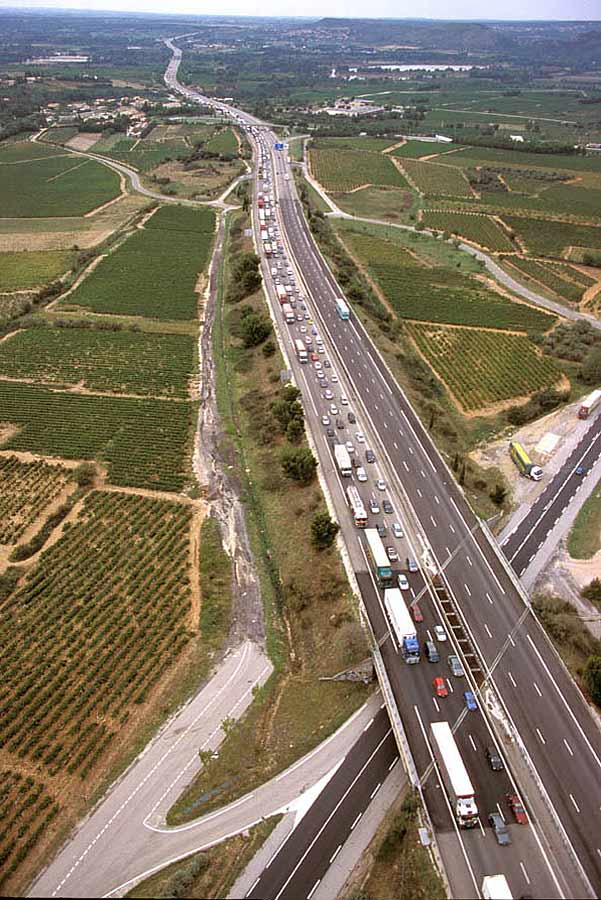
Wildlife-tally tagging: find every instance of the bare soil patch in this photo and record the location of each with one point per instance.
(83, 141)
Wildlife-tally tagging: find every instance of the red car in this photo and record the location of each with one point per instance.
(314, 357)
(440, 687)
(416, 613)
(517, 808)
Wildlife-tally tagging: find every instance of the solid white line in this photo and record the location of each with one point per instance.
(393, 764)
(253, 886)
(523, 868)
(369, 724)
(356, 820)
(375, 790)
(313, 889)
(335, 853)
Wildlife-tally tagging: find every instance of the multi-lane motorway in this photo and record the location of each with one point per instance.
(550, 726)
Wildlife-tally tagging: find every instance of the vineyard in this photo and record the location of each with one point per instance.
(26, 811)
(572, 273)
(415, 149)
(154, 272)
(144, 443)
(345, 170)
(440, 294)
(545, 238)
(56, 186)
(479, 229)
(111, 598)
(482, 368)
(26, 489)
(552, 279)
(23, 270)
(120, 361)
(27, 150)
(432, 179)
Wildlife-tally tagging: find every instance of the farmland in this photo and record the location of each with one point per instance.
(117, 578)
(28, 811)
(26, 489)
(223, 142)
(546, 238)
(346, 170)
(20, 271)
(483, 368)
(478, 229)
(415, 149)
(119, 361)
(155, 271)
(144, 443)
(440, 294)
(56, 186)
(550, 277)
(432, 179)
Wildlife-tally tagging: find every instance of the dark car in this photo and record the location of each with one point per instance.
(494, 759)
(501, 830)
(370, 456)
(431, 652)
(352, 418)
(382, 529)
(387, 506)
(323, 382)
(339, 423)
(331, 433)
(327, 363)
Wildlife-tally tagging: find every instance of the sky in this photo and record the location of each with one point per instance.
(435, 9)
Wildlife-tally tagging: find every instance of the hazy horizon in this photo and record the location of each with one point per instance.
(505, 11)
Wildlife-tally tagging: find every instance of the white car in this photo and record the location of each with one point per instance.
(361, 474)
(440, 633)
(350, 447)
(397, 530)
(381, 484)
(343, 400)
(334, 377)
(303, 329)
(317, 365)
(402, 582)
(360, 437)
(328, 394)
(325, 420)
(373, 506)
(333, 409)
(321, 349)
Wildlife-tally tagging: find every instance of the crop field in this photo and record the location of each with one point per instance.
(155, 271)
(57, 186)
(432, 179)
(481, 156)
(545, 238)
(26, 489)
(353, 143)
(345, 170)
(25, 270)
(440, 294)
(144, 443)
(573, 274)
(27, 150)
(415, 149)
(483, 368)
(551, 279)
(27, 810)
(473, 227)
(121, 361)
(145, 155)
(111, 598)
(223, 142)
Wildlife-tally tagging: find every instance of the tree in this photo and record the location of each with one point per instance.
(299, 464)
(498, 495)
(323, 531)
(84, 474)
(295, 430)
(255, 329)
(592, 591)
(591, 367)
(592, 678)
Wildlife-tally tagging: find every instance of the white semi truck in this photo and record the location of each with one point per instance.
(402, 625)
(495, 887)
(454, 774)
(343, 460)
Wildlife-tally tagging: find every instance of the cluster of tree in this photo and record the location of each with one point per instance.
(289, 414)
(502, 143)
(298, 464)
(485, 180)
(254, 327)
(539, 404)
(245, 277)
(578, 342)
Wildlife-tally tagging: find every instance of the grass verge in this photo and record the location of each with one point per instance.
(570, 635)
(401, 867)
(584, 539)
(210, 873)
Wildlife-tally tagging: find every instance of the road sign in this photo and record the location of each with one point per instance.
(278, 145)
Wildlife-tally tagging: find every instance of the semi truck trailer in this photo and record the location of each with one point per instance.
(402, 625)
(454, 775)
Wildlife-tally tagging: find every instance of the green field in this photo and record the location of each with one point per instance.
(120, 361)
(144, 155)
(346, 170)
(415, 149)
(479, 156)
(482, 368)
(549, 277)
(473, 227)
(27, 150)
(353, 143)
(97, 622)
(31, 269)
(440, 294)
(545, 238)
(144, 443)
(223, 142)
(152, 274)
(26, 489)
(432, 179)
(58, 186)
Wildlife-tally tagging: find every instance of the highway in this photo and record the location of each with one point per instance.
(552, 728)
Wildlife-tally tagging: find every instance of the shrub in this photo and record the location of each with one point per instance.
(323, 531)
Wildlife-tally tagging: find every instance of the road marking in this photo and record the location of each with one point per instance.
(469, 560)
(406, 466)
(487, 629)
(419, 492)
(395, 445)
(375, 790)
(253, 886)
(335, 853)
(369, 724)
(435, 702)
(472, 742)
(537, 689)
(481, 828)
(433, 520)
(423, 473)
(469, 593)
(410, 449)
(488, 597)
(568, 748)
(512, 679)
(576, 807)
(393, 764)
(501, 812)
(436, 500)
(313, 889)
(524, 872)
(540, 734)
(451, 527)
(511, 640)
(356, 820)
